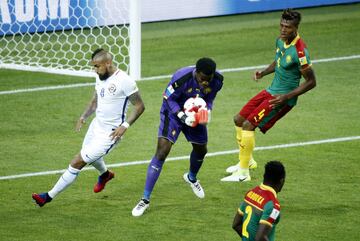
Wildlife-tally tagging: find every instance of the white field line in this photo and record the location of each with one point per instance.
(342, 139)
(46, 88)
(164, 76)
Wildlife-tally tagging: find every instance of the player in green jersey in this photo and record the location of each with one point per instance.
(291, 62)
(259, 212)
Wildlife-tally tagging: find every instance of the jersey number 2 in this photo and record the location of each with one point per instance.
(248, 211)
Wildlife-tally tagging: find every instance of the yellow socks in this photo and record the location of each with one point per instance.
(252, 163)
(247, 144)
(238, 135)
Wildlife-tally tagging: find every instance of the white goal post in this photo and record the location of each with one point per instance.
(58, 36)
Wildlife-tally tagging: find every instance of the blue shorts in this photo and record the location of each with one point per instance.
(171, 126)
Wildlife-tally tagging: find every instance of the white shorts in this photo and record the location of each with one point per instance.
(97, 142)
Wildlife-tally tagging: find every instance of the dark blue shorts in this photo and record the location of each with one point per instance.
(171, 126)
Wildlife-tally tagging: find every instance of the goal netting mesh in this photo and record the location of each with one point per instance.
(60, 35)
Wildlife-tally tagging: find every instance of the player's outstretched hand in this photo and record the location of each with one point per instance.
(80, 123)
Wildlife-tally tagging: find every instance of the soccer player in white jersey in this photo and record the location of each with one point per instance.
(114, 91)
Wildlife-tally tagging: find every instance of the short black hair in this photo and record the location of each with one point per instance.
(96, 52)
(206, 66)
(274, 172)
(291, 15)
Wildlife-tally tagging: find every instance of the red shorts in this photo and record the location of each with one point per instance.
(259, 113)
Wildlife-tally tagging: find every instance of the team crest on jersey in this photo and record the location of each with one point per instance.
(112, 89)
(173, 132)
(288, 59)
(189, 90)
(102, 92)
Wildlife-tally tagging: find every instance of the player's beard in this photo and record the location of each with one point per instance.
(104, 76)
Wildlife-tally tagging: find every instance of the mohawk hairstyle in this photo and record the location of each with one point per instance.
(291, 15)
(101, 53)
(96, 52)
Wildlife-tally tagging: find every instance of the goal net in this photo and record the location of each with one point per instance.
(58, 36)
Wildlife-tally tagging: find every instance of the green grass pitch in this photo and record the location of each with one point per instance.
(320, 199)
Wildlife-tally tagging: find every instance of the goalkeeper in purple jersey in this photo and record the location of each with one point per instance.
(204, 81)
(291, 62)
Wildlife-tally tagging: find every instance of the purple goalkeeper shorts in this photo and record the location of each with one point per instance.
(171, 126)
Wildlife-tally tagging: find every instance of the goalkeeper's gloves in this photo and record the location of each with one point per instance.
(203, 116)
(188, 120)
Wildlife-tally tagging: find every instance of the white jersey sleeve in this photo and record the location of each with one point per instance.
(129, 85)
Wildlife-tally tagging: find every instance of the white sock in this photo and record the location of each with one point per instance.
(64, 181)
(100, 165)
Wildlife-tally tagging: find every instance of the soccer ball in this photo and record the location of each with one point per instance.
(193, 105)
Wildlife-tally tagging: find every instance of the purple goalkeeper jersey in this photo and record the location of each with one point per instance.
(184, 85)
